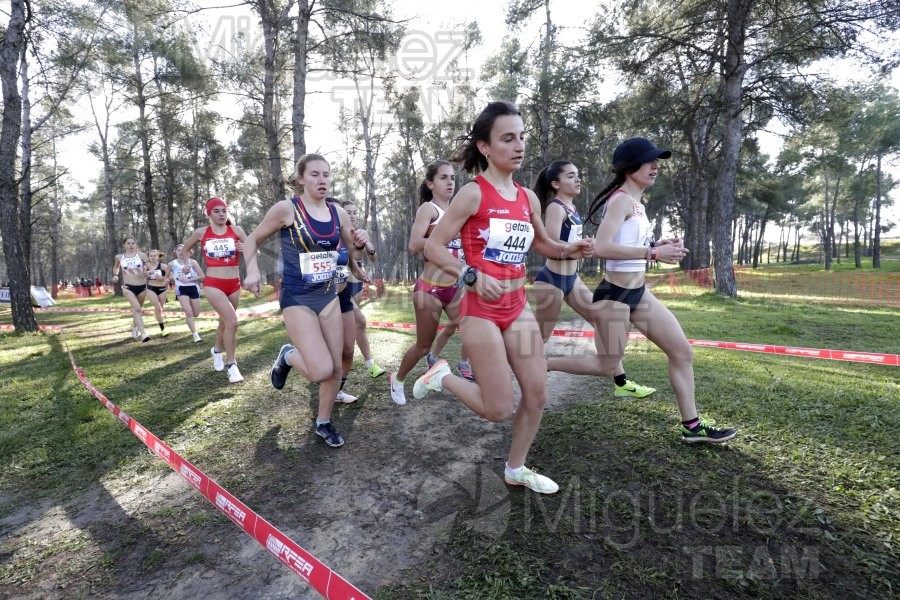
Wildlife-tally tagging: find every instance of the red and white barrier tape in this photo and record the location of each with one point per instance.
(322, 578)
(876, 358)
(43, 327)
(845, 355)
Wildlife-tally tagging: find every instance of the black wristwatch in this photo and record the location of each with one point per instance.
(471, 276)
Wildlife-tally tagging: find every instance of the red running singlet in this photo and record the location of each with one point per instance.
(496, 239)
(220, 250)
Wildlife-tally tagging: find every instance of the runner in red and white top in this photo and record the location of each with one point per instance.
(435, 291)
(498, 221)
(221, 244)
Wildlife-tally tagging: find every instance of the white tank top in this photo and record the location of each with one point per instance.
(177, 266)
(454, 246)
(635, 232)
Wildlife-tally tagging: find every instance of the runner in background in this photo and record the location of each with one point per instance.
(436, 290)
(134, 284)
(186, 274)
(357, 254)
(311, 231)
(221, 244)
(624, 240)
(157, 286)
(348, 316)
(498, 221)
(556, 187)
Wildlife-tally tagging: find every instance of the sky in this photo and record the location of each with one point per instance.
(433, 40)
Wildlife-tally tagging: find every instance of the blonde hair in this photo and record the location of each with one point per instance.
(294, 180)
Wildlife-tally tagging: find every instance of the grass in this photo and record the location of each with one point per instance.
(804, 503)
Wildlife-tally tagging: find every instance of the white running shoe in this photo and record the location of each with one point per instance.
(135, 334)
(234, 376)
(430, 381)
(345, 398)
(196, 337)
(397, 393)
(218, 361)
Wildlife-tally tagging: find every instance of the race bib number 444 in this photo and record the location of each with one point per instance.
(220, 248)
(508, 241)
(317, 267)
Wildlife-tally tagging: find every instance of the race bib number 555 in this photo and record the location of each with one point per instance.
(509, 241)
(317, 267)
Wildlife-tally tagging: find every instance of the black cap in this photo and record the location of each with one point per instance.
(636, 151)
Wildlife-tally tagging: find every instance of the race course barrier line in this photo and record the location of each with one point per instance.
(305, 565)
(876, 358)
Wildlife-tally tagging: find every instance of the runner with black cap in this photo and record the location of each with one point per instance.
(624, 240)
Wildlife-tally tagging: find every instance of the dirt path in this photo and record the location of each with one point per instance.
(370, 510)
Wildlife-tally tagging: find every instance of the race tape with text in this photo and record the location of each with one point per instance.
(319, 576)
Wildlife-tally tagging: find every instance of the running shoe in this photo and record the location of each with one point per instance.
(332, 438)
(397, 393)
(375, 370)
(164, 333)
(345, 398)
(218, 361)
(531, 480)
(634, 390)
(704, 432)
(280, 368)
(465, 370)
(234, 375)
(135, 334)
(146, 339)
(428, 382)
(430, 359)
(196, 337)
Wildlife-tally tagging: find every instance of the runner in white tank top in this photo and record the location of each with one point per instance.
(623, 239)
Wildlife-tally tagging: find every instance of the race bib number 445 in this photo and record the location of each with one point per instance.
(508, 241)
(317, 267)
(220, 248)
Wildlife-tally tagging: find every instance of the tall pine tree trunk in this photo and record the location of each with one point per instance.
(16, 262)
(298, 113)
(733, 78)
(876, 228)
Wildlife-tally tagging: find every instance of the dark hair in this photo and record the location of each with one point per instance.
(601, 198)
(294, 180)
(425, 193)
(542, 185)
(468, 154)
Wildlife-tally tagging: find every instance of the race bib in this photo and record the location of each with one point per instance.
(317, 267)
(132, 262)
(508, 241)
(341, 273)
(455, 249)
(574, 233)
(220, 248)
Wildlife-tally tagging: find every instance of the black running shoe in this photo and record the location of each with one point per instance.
(704, 432)
(281, 368)
(332, 438)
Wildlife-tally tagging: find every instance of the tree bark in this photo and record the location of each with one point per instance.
(144, 133)
(16, 262)
(25, 183)
(733, 77)
(269, 17)
(298, 113)
(876, 229)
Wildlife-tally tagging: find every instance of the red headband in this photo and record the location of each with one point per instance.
(214, 202)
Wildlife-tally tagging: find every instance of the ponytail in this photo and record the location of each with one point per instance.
(600, 199)
(543, 185)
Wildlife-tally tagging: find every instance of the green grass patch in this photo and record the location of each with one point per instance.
(804, 503)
